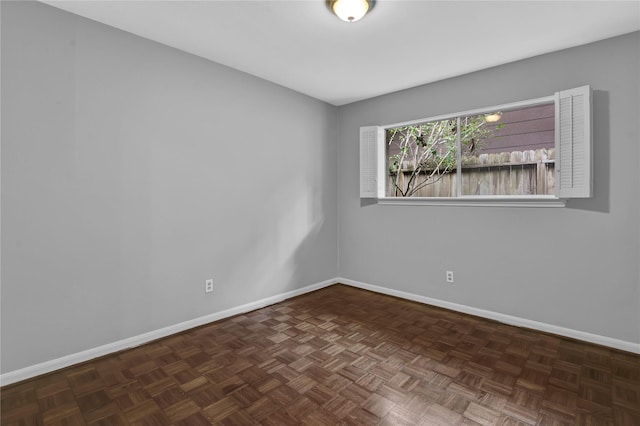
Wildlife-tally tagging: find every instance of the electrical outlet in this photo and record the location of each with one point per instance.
(450, 277)
(208, 285)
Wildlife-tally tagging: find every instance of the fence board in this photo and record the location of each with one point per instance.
(516, 173)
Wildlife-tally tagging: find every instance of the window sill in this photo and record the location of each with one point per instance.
(476, 201)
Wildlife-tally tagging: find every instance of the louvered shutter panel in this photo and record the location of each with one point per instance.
(573, 138)
(369, 142)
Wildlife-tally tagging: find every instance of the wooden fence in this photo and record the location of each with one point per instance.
(507, 173)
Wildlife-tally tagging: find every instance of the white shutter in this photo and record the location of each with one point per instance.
(573, 143)
(370, 138)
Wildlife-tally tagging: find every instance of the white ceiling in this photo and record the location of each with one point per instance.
(399, 44)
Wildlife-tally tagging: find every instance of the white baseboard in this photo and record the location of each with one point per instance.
(503, 318)
(131, 342)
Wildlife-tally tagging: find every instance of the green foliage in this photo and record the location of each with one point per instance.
(420, 154)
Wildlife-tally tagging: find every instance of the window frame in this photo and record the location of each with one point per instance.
(376, 187)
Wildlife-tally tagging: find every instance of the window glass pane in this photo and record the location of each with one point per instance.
(509, 152)
(421, 160)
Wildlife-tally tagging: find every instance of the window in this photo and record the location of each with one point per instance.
(538, 149)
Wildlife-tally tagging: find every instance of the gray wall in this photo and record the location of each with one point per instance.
(574, 267)
(131, 172)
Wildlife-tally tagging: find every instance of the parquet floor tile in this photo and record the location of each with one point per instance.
(341, 356)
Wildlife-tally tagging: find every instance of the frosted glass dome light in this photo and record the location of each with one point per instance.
(350, 10)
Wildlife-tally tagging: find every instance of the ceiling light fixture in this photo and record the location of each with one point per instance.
(350, 10)
(492, 118)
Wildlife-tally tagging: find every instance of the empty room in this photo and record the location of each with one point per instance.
(320, 212)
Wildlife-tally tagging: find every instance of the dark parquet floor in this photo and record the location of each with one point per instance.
(341, 355)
